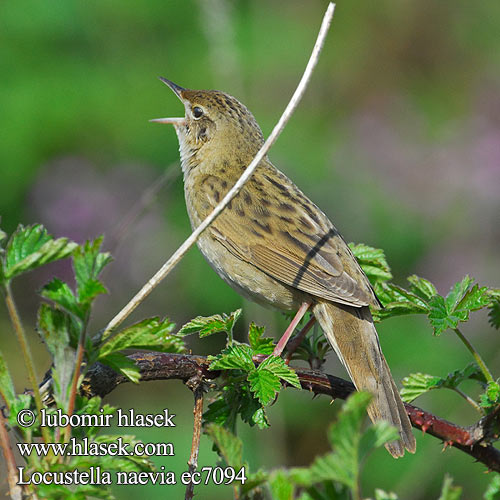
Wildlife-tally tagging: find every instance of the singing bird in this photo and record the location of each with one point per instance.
(276, 247)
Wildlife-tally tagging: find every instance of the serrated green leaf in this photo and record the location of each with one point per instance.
(54, 327)
(212, 324)
(277, 365)
(490, 398)
(89, 290)
(377, 435)
(233, 357)
(264, 384)
(349, 443)
(281, 486)
(448, 312)
(120, 363)
(448, 491)
(219, 412)
(251, 410)
(416, 384)
(230, 446)
(61, 294)
(493, 490)
(389, 293)
(421, 287)
(494, 314)
(258, 343)
(259, 418)
(31, 247)
(89, 262)
(7, 390)
(151, 333)
(457, 293)
(373, 262)
(397, 302)
(439, 316)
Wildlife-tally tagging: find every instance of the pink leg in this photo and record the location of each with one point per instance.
(297, 340)
(291, 327)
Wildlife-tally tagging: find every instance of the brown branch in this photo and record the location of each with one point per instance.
(101, 380)
(196, 385)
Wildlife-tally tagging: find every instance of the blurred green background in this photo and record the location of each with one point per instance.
(397, 139)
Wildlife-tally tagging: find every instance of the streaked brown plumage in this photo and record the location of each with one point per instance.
(276, 247)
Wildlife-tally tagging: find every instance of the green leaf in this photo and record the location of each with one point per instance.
(490, 398)
(54, 327)
(120, 363)
(61, 294)
(458, 292)
(212, 324)
(448, 491)
(233, 357)
(281, 486)
(377, 435)
(88, 263)
(373, 262)
(493, 490)
(151, 333)
(448, 312)
(277, 366)
(31, 247)
(421, 287)
(397, 301)
(416, 384)
(230, 447)
(350, 444)
(6, 384)
(258, 343)
(264, 384)
(494, 314)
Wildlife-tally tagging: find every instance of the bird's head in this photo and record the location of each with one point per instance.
(215, 124)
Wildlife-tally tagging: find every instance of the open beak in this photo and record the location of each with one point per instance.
(177, 91)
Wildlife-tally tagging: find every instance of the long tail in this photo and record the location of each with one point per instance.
(352, 334)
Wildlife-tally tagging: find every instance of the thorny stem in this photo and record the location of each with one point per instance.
(182, 250)
(195, 445)
(25, 348)
(15, 490)
(482, 365)
(102, 380)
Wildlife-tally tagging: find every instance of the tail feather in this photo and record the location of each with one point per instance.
(352, 334)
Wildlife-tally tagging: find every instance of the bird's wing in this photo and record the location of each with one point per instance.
(290, 239)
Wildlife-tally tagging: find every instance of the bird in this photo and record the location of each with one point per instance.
(274, 246)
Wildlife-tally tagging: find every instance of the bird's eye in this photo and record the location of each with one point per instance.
(197, 112)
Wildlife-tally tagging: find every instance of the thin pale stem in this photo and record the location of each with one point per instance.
(479, 360)
(468, 399)
(26, 351)
(181, 251)
(195, 445)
